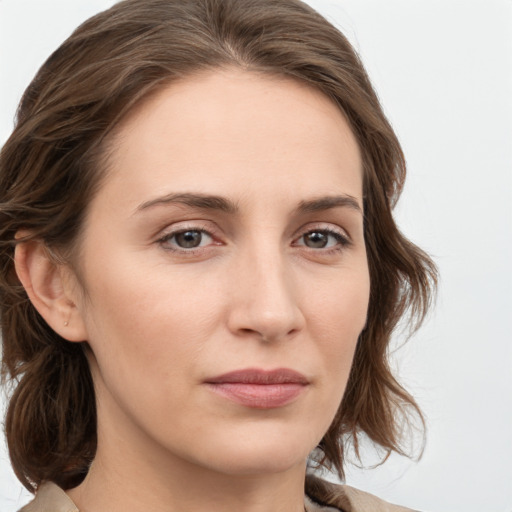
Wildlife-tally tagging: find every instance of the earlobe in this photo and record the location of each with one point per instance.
(47, 285)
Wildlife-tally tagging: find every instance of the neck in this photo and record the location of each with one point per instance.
(132, 478)
(174, 489)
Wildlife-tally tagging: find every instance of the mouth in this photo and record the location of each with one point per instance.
(260, 389)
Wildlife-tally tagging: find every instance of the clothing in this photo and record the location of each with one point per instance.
(321, 496)
(345, 498)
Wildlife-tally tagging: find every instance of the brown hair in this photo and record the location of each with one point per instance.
(49, 170)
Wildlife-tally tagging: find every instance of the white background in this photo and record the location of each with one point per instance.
(443, 70)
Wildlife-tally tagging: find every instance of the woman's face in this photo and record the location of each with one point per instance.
(225, 272)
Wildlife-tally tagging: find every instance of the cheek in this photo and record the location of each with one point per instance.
(148, 320)
(340, 313)
(341, 306)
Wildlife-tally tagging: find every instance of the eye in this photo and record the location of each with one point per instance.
(186, 239)
(322, 239)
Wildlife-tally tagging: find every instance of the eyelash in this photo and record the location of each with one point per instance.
(342, 241)
(166, 238)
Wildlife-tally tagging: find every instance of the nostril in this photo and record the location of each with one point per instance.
(267, 337)
(249, 331)
(256, 334)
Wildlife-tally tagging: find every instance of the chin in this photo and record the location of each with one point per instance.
(262, 452)
(260, 463)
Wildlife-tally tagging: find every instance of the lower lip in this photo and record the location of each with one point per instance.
(259, 396)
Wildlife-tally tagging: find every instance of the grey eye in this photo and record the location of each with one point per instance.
(188, 239)
(185, 240)
(316, 239)
(322, 239)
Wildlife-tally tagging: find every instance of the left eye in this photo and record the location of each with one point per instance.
(188, 239)
(321, 239)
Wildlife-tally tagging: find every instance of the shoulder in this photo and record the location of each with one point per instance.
(50, 498)
(346, 498)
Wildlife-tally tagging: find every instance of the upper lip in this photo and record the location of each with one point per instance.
(259, 376)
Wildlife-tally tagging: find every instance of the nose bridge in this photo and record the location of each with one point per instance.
(266, 300)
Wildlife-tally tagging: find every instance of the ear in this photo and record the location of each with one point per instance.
(51, 287)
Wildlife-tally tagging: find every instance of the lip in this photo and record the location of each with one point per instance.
(260, 389)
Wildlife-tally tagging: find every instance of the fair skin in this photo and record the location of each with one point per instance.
(227, 235)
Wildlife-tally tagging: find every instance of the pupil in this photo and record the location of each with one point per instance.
(316, 240)
(188, 239)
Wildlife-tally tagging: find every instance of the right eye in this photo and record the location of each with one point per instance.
(186, 239)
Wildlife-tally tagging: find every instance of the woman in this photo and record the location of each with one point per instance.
(200, 269)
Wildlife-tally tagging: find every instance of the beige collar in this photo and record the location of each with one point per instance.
(51, 498)
(321, 496)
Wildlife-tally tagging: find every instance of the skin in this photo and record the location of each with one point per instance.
(259, 291)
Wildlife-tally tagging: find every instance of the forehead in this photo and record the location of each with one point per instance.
(226, 128)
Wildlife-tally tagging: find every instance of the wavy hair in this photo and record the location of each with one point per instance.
(52, 165)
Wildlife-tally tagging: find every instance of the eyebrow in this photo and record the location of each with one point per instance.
(212, 202)
(329, 202)
(203, 201)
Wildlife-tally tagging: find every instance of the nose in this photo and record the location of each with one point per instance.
(265, 301)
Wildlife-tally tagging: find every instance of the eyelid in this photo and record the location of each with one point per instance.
(325, 227)
(184, 226)
(343, 238)
(187, 225)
